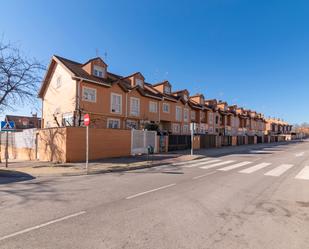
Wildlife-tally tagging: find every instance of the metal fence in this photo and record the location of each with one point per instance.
(179, 142)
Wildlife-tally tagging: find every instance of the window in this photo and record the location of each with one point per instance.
(113, 123)
(67, 119)
(202, 116)
(116, 103)
(166, 108)
(89, 94)
(153, 106)
(185, 97)
(192, 115)
(99, 71)
(211, 117)
(217, 119)
(167, 89)
(139, 82)
(185, 129)
(131, 124)
(134, 106)
(58, 83)
(186, 115)
(178, 113)
(176, 128)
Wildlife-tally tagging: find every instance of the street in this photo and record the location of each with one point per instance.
(254, 198)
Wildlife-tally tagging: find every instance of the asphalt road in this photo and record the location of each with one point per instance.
(255, 198)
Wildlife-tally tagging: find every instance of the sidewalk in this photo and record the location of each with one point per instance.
(37, 168)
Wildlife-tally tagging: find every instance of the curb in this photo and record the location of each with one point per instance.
(105, 171)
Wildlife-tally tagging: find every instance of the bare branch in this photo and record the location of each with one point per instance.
(19, 77)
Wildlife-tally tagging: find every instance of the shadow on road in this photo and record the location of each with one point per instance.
(243, 149)
(8, 176)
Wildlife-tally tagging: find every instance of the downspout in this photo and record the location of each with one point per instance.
(126, 114)
(159, 112)
(77, 105)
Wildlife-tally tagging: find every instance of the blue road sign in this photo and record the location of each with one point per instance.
(7, 125)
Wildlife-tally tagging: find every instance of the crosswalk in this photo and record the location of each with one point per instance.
(279, 170)
(255, 168)
(245, 167)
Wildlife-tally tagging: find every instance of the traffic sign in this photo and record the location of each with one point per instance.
(7, 125)
(86, 119)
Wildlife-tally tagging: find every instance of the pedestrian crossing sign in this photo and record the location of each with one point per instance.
(7, 125)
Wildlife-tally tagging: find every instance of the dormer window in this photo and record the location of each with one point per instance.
(185, 97)
(99, 71)
(202, 100)
(167, 89)
(139, 82)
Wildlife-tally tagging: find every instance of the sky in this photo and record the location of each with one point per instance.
(253, 53)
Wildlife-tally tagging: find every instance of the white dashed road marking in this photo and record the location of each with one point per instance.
(42, 225)
(150, 191)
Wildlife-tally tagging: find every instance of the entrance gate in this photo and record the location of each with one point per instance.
(140, 140)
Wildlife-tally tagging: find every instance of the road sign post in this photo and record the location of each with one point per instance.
(7, 149)
(7, 126)
(86, 123)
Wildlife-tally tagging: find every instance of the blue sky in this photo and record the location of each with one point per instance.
(251, 53)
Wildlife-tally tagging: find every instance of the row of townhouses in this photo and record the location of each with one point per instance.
(71, 89)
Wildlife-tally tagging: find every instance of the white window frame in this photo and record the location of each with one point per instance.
(168, 108)
(153, 107)
(186, 114)
(112, 120)
(211, 116)
(176, 130)
(139, 82)
(59, 82)
(67, 117)
(111, 103)
(193, 115)
(132, 112)
(185, 129)
(91, 89)
(99, 71)
(178, 112)
(202, 116)
(129, 121)
(167, 89)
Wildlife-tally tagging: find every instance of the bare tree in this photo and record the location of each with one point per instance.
(19, 77)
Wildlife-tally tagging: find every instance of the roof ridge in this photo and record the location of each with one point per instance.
(62, 58)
